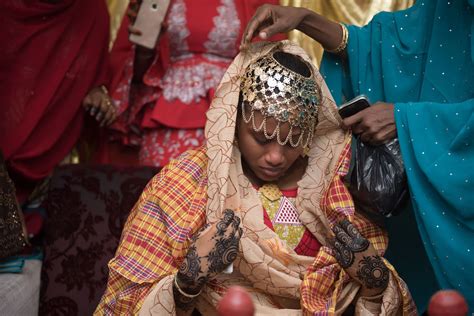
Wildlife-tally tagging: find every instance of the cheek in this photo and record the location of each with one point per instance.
(292, 154)
(248, 147)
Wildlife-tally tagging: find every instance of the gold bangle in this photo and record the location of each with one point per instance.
(342, 46)
(182, 292)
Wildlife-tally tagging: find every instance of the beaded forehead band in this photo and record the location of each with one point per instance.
(278, 92)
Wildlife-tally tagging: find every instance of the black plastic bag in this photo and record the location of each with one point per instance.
(378, 182)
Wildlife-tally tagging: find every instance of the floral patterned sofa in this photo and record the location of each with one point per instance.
(86, 208)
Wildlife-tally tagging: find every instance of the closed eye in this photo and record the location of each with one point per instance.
(261, 139)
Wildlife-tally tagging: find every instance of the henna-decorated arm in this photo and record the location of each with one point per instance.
(212, 249)
(359, 259)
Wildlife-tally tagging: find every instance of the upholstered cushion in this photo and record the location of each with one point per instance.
(86, 209)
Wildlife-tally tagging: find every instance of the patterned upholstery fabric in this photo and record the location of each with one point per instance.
(86, 209)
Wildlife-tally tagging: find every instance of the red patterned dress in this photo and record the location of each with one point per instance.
(165, 115)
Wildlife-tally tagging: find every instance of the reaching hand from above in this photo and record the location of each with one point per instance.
(359, 259)
(269, 20)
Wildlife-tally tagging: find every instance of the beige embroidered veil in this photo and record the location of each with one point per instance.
(278, 279)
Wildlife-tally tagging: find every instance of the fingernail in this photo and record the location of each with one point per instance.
(263, 35)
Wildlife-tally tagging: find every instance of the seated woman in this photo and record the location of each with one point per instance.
(263, 196)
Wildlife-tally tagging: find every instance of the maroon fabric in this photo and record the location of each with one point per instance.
(52, 54)
(86, 209)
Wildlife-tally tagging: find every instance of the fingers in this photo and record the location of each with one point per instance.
(132, 12)
(341, 235)
(349, 228)
(107, 116)
(134, 31)
(100, 106)
(226, 245)
(109, 112)
(342, 253)
(102, 109)
(226, 220)
(348, 122)
(262, 14)
(350, 237)
(269, 31)
(93, 109)
(86, 103)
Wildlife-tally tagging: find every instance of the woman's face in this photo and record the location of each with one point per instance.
(267, 159)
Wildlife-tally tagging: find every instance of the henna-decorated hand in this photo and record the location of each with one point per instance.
(212, 249)
(359, 259)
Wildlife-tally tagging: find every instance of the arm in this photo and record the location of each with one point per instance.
(212, 249)
(143, 56)
(360, 260)
(143, 59)
(269, 20)
(377, 124)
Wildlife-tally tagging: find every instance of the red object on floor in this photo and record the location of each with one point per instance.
(236, 302)
(447, 303)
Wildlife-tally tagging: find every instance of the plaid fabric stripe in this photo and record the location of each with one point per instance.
(153, 241)
(325, 279)
(173, 231)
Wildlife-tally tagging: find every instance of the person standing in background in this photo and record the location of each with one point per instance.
(54, 57)
(417, 63)
(163, 94)
(354, 12)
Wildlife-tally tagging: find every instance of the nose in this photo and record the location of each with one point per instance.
(274, 155)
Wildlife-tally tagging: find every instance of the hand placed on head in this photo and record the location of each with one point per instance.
(269, 20)
(359, 259)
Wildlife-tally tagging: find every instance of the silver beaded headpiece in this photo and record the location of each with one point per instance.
(278, 92)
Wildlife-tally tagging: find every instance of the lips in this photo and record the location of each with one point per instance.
(271, 172)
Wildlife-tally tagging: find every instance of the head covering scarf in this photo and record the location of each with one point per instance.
(278, 279)
(422, 59)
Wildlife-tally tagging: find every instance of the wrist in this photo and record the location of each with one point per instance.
(371, 293)
(191, 287)
(305, 17)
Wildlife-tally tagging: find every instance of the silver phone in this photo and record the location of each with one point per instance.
(149, 21)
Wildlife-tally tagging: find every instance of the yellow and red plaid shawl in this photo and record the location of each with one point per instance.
(195, 189)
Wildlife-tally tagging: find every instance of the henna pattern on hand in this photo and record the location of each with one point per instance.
(358, 243)
(224, 253)
(373, 272)
(197, 267)
(190, 270)
(224, 222)
(343, 254)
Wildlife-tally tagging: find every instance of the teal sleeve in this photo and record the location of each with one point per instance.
(437, 143)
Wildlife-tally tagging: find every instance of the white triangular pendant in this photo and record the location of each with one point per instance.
(287, 214)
